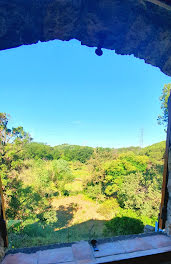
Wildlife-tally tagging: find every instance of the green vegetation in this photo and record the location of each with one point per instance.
(67, 152)
(163, 119)
(67, 192)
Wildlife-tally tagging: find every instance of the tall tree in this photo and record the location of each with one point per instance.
(163, 118)
(11, 147)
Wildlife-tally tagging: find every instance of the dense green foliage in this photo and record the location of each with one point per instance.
(124, 226)
(163, 118)
(67, 152)
(124, 184)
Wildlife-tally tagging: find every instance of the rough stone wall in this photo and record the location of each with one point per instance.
(137, 27)
(168, 222)
(2, 249)
(168, 150)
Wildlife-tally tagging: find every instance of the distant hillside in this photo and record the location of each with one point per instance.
(155, 152)
(68, 152)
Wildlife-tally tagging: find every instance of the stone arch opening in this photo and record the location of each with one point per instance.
(143, 29)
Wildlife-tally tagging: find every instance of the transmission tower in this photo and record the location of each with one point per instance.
(141, 137)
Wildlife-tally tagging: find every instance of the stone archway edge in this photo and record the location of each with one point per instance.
(138, 27)
(160, 3)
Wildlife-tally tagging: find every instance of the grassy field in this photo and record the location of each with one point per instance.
(79, 218)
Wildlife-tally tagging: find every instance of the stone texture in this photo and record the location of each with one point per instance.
(158, 241)
(149, 229)
(108, 249)
(169, 162)
(132, 248)
(131, 255)
(20, 258)
(129, 27)
(168, 222)
(136, 244)
(82, 252)
(55, 256)
(2, 250)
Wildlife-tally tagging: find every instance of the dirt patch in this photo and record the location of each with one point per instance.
(75, 210)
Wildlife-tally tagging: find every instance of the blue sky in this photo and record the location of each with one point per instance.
(61, 92)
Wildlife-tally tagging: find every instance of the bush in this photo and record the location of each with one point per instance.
(48, 217)
(34, 230)
(124, 226)
(94, 192)
(108, 208)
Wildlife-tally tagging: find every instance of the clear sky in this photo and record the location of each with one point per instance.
(61, 92)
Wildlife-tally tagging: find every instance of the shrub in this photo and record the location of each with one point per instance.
(124, 226)
(109, 208)
(94, 192)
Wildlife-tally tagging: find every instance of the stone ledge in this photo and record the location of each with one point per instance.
(82, 252)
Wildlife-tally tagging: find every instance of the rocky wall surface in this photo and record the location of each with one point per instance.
(137, 27)
(2, 249)
(168, 222)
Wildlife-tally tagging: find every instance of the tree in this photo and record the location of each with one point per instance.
(140, 194)
(117, 169)
(93, 182)
(163, 118)
(61, 174)
(50, 177)
(11, 147)
(11, 140)
(74, 152)
(36, 151)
